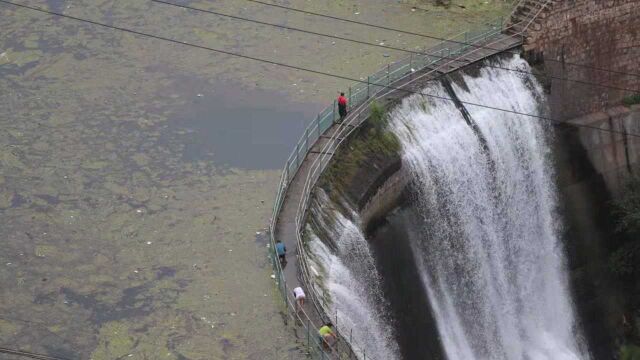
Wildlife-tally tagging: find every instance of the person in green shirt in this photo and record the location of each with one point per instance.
(327, 335)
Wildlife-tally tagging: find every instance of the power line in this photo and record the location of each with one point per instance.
(28, 354)
(424, 35)
(271, 62)
(386, 46)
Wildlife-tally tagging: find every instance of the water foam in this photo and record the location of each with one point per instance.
(488, 247)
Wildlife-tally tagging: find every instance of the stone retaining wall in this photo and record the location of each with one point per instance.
(602, 34)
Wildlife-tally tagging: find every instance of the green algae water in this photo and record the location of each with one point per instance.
(137, 177)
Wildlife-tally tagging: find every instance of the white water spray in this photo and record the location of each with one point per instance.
(350, 275)
(488, 249)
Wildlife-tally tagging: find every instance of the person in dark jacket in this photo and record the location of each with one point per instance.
(342, 106)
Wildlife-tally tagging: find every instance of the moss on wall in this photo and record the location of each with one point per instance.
(358, 163)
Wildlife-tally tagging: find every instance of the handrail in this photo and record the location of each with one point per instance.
(359, 99)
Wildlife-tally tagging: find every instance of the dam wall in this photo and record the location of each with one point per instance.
(595, 41)
(614, 154)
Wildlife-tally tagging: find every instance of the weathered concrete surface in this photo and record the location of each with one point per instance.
(614, 155)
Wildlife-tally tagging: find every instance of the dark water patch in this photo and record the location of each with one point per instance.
(164, 272)
(57, 5)
(236, 127)
(183, 283)
(227, 345)
(45, 299)
(79, 56)
(61, 351)
(18, 200)
(50, 199)
(135, 302)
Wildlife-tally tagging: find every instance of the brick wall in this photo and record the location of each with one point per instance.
(596, 33)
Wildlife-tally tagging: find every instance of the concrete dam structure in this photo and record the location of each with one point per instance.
(474, 246)
(443, 228)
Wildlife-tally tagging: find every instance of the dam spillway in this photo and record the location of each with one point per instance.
(478, 234)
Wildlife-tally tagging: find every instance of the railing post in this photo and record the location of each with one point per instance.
(333, 112)
(318, 124)
(368, 82)
(308, 335)
(388, 67)
(306, 136)
(298, 154)
(349, 102)
(285, 291)
(411, 65)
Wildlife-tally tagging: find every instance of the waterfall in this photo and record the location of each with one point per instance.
(488, 246)
(348, 271)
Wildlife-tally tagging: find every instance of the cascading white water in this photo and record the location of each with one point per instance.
(488, 247)
(350, 275)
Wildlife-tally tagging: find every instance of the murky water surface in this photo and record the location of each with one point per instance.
(137, 176)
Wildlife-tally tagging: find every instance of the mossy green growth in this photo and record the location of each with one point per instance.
(627, 208)
(115, 342)
(623, 261)
(631, 100)
(630, 352)
(378, 117)
(372, 141)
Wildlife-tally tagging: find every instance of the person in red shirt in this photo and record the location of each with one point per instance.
(342, 106)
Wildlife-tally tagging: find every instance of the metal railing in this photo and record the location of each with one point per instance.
(360, 97)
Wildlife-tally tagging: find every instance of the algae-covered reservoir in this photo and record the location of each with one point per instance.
(137, 176)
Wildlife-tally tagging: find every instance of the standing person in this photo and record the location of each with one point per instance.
(342, 106)
(299, 295)
(327, 335)
(281, 250)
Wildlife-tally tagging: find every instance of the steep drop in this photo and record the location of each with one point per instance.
(488, 245)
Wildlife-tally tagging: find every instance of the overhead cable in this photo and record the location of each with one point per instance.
(186, 7)
(425, 35)
(294, 67)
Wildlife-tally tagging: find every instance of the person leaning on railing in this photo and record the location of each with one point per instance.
(327, 335)
(342, 107)
(281, 250)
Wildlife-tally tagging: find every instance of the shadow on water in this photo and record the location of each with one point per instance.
(56, 5)
(241, 128)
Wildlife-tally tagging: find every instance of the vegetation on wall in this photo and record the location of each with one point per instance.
(625, 260)
(624, 263)
(631, 100)
(373, 140)
(630, 352)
